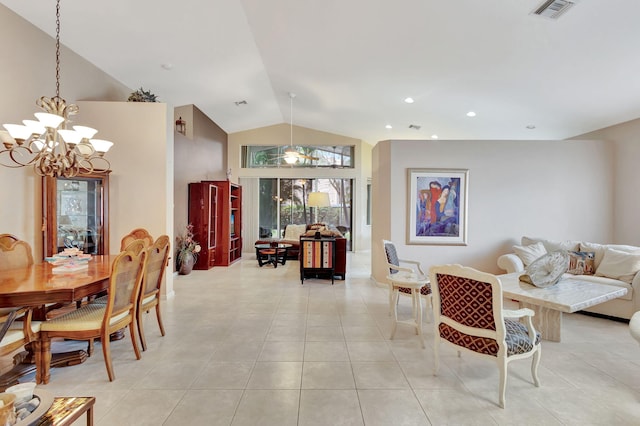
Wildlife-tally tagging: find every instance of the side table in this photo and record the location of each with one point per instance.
(273, 253)
(66, 410)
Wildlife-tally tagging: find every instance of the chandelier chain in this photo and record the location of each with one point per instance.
(58, 49)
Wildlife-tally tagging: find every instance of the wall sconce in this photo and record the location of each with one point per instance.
(181, 126)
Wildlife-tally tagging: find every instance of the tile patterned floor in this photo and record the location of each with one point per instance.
(251, 346)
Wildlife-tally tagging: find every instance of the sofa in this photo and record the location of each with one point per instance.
(611, 264)
(292, 234)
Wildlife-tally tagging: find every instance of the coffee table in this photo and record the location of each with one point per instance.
(272, 253)
(568, 295)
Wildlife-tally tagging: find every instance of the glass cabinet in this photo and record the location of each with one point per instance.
(75, 213)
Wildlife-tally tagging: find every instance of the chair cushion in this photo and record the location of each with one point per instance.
(88, 317)
(425, 291)
(517, 337)
(15, 332)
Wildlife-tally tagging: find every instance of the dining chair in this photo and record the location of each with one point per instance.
(149, 297)
(408, 280)
(7, 239)
(634, 326)
(95, 320)
(469, 316)
(136, 234)
(16, 327)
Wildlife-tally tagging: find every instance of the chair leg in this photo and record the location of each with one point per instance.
(418, 317)
(502, 365)
(390, 300)
(534, 366)
(106, 353)
(436, 354)
(134, 341)
(143, 342)
(90, 347)
(159, 319)
(396, 295)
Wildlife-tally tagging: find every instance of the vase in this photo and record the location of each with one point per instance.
(186, 264)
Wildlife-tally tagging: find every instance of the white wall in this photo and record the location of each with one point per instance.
(624, 138)
(553, 189)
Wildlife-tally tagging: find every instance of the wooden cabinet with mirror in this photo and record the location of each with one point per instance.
(76, 213)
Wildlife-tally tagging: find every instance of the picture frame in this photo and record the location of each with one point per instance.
(437, 206)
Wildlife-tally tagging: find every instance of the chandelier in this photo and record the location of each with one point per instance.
(47, 144)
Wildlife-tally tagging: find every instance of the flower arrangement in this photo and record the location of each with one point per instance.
(186, 245)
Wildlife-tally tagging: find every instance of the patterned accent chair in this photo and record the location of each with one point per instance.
(409, 281)
(468, 315)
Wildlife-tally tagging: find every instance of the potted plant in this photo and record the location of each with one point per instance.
(142, 95)
(187, 251)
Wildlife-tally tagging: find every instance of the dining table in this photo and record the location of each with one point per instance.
(38, 285)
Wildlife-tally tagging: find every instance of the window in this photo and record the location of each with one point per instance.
(264, 156)
(284, 201)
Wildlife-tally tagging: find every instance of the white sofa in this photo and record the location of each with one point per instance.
(617, 265)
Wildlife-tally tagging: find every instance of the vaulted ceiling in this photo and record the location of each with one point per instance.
(352, 63)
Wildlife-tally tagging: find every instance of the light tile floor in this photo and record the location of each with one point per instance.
(251, 346)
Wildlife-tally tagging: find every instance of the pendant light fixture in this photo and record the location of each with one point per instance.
(47, 144)
(291, 154)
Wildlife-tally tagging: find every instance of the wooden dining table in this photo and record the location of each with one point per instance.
(37, 285)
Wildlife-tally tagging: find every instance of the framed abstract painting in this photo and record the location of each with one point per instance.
(437, 206)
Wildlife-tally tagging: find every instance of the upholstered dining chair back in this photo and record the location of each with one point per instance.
(16, 254)
(7, 239)
(469, 315)
(136, 234)
(157, 256)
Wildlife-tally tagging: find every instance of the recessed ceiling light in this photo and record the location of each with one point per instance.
(471, 114)
(167, 66)
(434, 136)
(388, 126)
(408, 100)
(531, 127)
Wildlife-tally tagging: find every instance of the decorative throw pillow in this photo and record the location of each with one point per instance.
(293, 232)
(550, 245)
(530, 253)
(547, 270)
(581, 262)
(619, 265)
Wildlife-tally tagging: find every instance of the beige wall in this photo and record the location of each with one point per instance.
(279, 135)
(553, 189)
(201, 155)
(141, 180)
(624, 140)
(28, 72)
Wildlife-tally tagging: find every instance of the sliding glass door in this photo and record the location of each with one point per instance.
(285, 201)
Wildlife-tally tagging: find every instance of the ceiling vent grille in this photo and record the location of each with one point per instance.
(553, 9)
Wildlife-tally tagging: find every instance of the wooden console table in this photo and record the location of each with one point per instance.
(317, 257)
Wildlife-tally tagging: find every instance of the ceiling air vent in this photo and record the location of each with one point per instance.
(553, 9)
